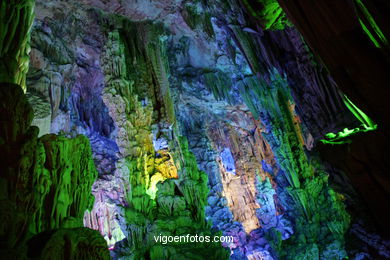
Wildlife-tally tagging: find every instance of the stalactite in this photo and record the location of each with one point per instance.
(268, 12)
(220, 85)
(151, 207)
(17, 18)
(197, 18)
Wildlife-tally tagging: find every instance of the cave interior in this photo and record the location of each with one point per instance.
(125, 124)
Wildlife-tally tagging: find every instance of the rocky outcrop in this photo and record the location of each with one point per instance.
(46, 182)
(66, 71)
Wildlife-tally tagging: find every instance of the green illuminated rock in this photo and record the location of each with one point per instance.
(342, 136)
(46, 182)
(369, 25)
(268, 12)
(64, 183)
(177, 210)
(16, 18)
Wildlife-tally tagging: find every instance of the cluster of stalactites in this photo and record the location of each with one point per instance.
(16, 18)
(49, 183)
(319, 212)
(166, 192)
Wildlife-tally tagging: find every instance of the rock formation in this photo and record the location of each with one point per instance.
(263, 120)
(17, 18)
(46, 182)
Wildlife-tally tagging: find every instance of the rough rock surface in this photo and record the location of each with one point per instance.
(46, 181)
